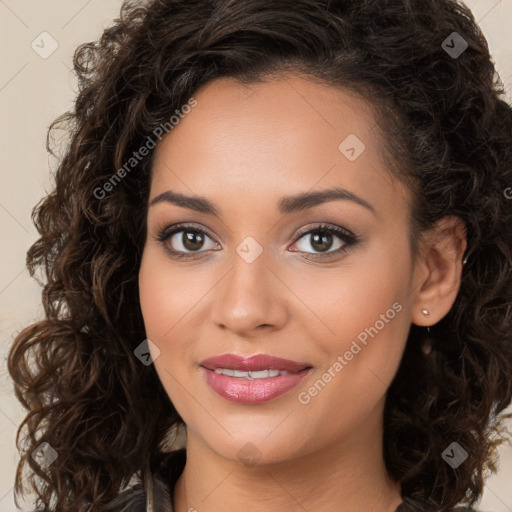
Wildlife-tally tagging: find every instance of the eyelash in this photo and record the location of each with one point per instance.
(347, 237)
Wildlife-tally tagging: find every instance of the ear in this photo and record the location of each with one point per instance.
(438, 269)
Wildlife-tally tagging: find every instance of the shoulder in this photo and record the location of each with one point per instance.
(130, 500)
(160, 487)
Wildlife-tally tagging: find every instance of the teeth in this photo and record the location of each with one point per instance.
(261, 374)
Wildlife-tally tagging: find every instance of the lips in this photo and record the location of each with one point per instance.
(248, 388)
(253, 363)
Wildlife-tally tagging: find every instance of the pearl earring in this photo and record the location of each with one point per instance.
(425, 312)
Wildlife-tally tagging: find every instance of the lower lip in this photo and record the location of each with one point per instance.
(255, 391)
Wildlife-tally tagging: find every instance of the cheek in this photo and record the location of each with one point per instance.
(366, 308)
(352, 297)
(167, 295)
(154, 287)
(377, 312)
(171, 299)
(367, 312)
(165, 301)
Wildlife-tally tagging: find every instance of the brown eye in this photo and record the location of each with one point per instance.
(321, 243)
(192, 241)
(322, 239)
(184, 240)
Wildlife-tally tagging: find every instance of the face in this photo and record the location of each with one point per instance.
(326, 283)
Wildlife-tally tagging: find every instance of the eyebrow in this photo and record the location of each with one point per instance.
(286, 205)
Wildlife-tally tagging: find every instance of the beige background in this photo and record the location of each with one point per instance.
(34, 91)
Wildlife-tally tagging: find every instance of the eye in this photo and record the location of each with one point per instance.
(321, 239)
(183, 240)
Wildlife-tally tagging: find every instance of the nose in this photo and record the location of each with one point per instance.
(250, 298)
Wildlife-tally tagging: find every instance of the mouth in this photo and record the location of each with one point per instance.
(252, 380)
(259, 366)
(260, 374)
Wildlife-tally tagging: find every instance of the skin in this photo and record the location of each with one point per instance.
(243, 148)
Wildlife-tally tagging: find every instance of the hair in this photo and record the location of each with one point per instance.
(448, 133)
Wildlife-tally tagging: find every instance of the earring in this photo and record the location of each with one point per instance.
(425, 312)
(465, 260)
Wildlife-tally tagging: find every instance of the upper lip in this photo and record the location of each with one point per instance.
(253, 363)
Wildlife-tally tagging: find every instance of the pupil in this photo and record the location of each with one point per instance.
(322, 242)
(192, 240)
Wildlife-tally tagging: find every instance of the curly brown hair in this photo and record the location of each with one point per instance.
(449, 133)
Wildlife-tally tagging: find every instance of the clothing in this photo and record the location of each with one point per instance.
(163, 482)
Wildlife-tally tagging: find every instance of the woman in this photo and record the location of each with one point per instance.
(285, 226)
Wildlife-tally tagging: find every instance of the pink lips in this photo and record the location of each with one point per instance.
(252, 391)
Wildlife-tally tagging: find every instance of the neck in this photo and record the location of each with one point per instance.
(347, 476)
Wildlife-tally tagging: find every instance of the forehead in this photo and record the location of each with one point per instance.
(265, 140)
